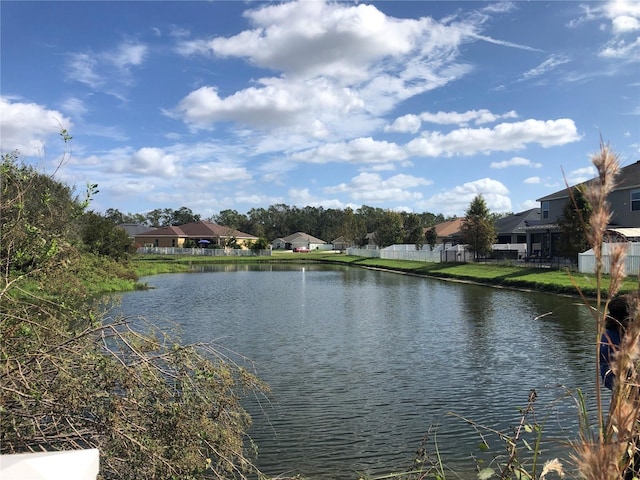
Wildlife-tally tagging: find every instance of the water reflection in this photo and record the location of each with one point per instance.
(362, 363)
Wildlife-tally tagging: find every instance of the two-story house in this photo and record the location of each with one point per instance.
(624, 201)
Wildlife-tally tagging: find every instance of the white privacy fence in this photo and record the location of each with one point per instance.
(424, 255)
(212, 252)
(587, 260)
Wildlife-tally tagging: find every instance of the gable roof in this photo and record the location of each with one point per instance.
(628, 177)
(200, 229)
(448, 228)
(517, 222)
(301, 236)
(133, 229)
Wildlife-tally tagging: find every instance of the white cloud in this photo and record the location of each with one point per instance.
(372, 188)
(515, 162)
(152, 161)
(533, 180)
(503, 137)
(217, 173)
(358, 151)
(545, 67)
(457, 200)
(106, 70)
(406, 124)
(334, 59)
(477, 117)
(624, 15)
(27, 127)
(581, 175)
(528, 205)
(622, 49)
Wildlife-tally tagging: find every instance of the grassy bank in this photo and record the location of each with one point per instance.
(559, 281)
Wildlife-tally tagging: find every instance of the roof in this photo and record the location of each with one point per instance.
(628, 177)
(197, 229)
(448, 228)
(518, 221)
(298, 236)
(133, 229)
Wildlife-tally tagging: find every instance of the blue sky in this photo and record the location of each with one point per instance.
(412, 106)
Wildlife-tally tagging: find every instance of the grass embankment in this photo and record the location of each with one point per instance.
(552, 280)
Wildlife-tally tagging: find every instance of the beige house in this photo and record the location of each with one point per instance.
(203, 234)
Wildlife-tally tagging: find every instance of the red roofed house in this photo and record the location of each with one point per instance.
(202, 233)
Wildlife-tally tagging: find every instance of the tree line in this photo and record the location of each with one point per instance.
(281, 220)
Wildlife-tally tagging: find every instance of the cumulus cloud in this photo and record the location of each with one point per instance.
(457, 200)
(515, 162)
(372, 188)
(581, 175)
(358, 151)
(217, 172)
(334, 58)
(533, 180)
(411, 123)
(150, 161)
(503, 137)
(26, 127)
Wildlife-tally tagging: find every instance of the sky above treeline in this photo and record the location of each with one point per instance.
(413, 106)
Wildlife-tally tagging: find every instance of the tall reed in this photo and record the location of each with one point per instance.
(607, 451)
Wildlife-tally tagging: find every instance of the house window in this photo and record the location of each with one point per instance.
(635, 200)
(545, 209)
(173, 242)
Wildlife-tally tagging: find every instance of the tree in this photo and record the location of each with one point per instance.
(432, 237)
(414, 232)
(575, 217)
(478, 230)
(260, 244)
(71, 377)
(232, 219)
(102, 237)
(182, 216)
(390, 229)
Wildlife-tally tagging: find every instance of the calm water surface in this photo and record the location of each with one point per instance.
(363, 363)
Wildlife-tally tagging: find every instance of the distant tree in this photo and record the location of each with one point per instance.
(231, 218)
(431, 237)
(414, 231)
(478, 229)
(575, 217)
(260, 244)
(156, 218)
(353, 228)
(429, 219)
(390, 229)
(115, 215)
(101, 236)
(182, 216)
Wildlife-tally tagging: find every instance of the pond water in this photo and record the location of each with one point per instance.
(363, 363)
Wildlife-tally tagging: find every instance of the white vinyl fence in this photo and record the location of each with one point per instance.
(396, 253)
(587, 260)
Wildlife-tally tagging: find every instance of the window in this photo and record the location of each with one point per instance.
(545, 209)
(635, 200)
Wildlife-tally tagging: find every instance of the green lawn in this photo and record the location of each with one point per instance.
(553, 280)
